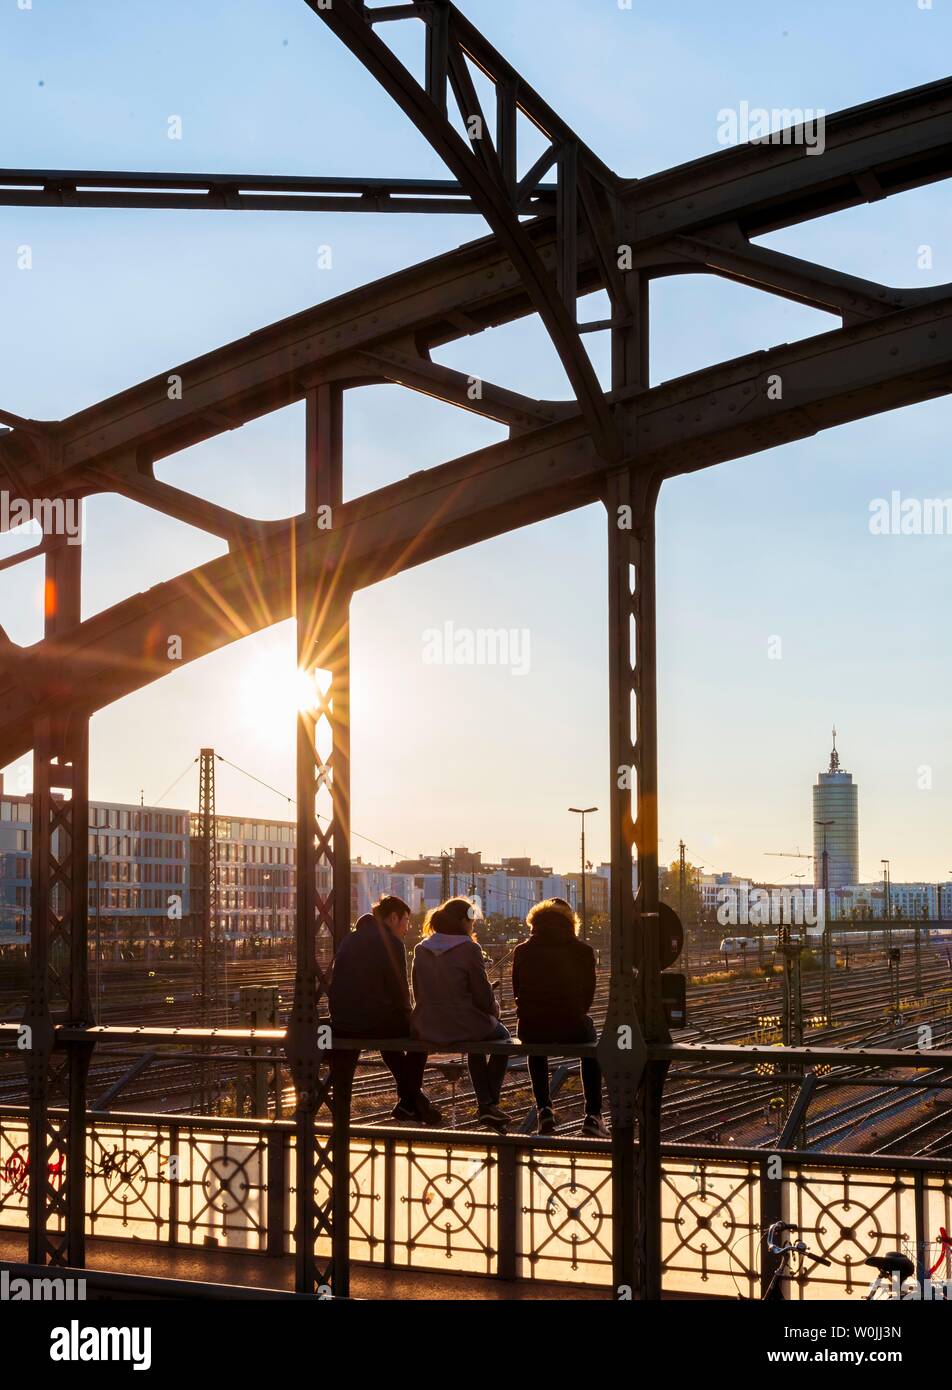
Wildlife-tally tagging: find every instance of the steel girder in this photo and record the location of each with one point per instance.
(686, 424)
(891, 145)
(900, 143)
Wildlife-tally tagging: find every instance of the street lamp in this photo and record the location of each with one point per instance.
(826, 863)
(588, 811)
(825, 946)
(887, 905)
(267, 879)
(98, 929)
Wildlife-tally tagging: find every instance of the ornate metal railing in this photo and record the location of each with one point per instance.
(501, 1207)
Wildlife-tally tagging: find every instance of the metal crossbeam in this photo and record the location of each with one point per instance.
(708, 1054)
(100, 188)
(728, 253)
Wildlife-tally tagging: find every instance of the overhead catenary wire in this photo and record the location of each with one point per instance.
(511, 897)
(174, 784)
(397, 854)
(267, 785)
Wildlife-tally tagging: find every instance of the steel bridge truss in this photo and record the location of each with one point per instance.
(550, 243)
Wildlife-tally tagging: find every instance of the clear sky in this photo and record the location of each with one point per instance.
(773, 546)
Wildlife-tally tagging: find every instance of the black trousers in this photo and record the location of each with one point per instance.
(407, 1069)
(488, 1072)
(591, 1071)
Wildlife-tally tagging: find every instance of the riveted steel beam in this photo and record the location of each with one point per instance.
(477, 167)
(100, 188)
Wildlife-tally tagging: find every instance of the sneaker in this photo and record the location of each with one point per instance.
(593, 1127)
(427, 1111)
(546, 1120)
(404, 1114)
(494, 1117)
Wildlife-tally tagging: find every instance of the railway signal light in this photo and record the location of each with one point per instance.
(671, 936)
(673, 986)
(674, 998)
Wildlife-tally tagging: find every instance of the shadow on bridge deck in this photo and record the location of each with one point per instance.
(210, 1266)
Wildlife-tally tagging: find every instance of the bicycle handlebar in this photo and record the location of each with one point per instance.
(797, 1247)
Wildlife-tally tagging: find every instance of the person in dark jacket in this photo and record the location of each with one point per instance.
(455, 1003)
(553, 982)
(370, 998)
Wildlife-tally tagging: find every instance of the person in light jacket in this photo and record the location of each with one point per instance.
(455, 1003)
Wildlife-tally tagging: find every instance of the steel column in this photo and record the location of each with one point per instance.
(770, 1209)
(635, 1012)
(59, 971)
(323, 868)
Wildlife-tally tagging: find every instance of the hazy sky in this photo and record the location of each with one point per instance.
(774, 546)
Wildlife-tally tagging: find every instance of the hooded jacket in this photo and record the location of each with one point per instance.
(453, 999)
(553, 980)
(369, 993)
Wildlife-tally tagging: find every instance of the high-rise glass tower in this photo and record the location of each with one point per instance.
(835, 825)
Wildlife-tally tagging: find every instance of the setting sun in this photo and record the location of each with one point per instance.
(305, 690)
(273, 692)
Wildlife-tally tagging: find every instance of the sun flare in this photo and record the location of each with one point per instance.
(306, 692)
(275, 694)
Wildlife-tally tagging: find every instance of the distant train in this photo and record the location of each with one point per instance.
(746, 945)
(740, 945)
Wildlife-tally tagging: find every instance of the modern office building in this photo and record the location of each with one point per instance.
(15, 845)
(910, 901)
(257, 876)
(138, 871)
(835, 826)
(370, 882)
(139, 875)
(597, 892)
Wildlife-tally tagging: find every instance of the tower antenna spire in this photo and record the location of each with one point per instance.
(834, 756)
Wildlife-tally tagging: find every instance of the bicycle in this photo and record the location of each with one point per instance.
(894, 1267)
(774, 1289)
